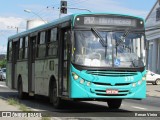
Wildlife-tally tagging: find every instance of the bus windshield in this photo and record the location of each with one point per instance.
(120, 50)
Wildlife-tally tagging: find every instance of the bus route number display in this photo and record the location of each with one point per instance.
(109, 21)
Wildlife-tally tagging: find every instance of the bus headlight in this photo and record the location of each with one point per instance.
(134, 85)
(88, 83)
(81, 81)
(75, 76)
(139, 82)
(144, 78)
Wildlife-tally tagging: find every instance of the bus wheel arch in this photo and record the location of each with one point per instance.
(51, 82)
(54, 99)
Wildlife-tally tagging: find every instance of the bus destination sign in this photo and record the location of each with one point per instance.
(109, 21)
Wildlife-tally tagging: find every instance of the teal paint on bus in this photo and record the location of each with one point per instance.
(79, 90)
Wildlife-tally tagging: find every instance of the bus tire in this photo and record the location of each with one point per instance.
(21, 94)
(56, 101)
(114, 103)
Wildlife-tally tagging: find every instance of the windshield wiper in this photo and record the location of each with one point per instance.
(102, 41)
(122, 38)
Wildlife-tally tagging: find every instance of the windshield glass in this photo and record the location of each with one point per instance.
(120, 50)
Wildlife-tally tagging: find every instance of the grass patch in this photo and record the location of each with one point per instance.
(24, 108)
(15, 102)
(46, 118)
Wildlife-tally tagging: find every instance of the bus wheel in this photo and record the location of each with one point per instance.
(114, 103)
(57, 102)
(21, 94)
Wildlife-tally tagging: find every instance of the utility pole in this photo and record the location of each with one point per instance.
(60, 9)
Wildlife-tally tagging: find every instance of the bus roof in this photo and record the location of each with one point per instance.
(61, 20)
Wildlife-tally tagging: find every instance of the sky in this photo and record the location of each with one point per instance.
(12, 13)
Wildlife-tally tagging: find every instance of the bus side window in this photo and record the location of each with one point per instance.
(21, 44)
(26, 48)
(41, 44)
(10, 51)
(52, 44)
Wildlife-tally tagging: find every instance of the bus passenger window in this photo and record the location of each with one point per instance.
(52, 42)
(41, 45)
(26, 48)
(54, 34)
(21, 42)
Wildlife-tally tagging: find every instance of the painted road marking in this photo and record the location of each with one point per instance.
(139, 108)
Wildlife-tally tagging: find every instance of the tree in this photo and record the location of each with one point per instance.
(3, 63)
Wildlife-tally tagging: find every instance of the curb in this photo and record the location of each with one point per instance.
(153, 96)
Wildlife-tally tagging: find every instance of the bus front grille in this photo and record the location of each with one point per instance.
(111, 73)
(108, 84)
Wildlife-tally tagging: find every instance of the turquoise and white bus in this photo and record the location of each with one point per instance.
(92, 56)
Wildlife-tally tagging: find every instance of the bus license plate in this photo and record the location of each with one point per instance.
(112, 91)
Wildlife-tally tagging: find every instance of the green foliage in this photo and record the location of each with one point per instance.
(12, 101)
(3, 63)
(15, 102)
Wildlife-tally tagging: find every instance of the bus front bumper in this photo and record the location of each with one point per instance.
(94, 91)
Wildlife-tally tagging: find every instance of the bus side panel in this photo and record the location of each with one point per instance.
(50, 69)
(39, 73)
(44, 69)
(9, 75)
(22, 70)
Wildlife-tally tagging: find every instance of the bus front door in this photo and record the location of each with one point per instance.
(64, 65)
(31, 66)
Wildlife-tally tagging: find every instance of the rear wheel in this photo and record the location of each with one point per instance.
(21, 94)
(114, 103)
(56, 101)
(157, 82)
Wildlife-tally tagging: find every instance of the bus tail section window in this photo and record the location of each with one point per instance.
(10, 51)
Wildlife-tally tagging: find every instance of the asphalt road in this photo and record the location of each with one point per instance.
(87, 109)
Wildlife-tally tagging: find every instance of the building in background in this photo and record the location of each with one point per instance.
(153, 37)
(34, 23)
